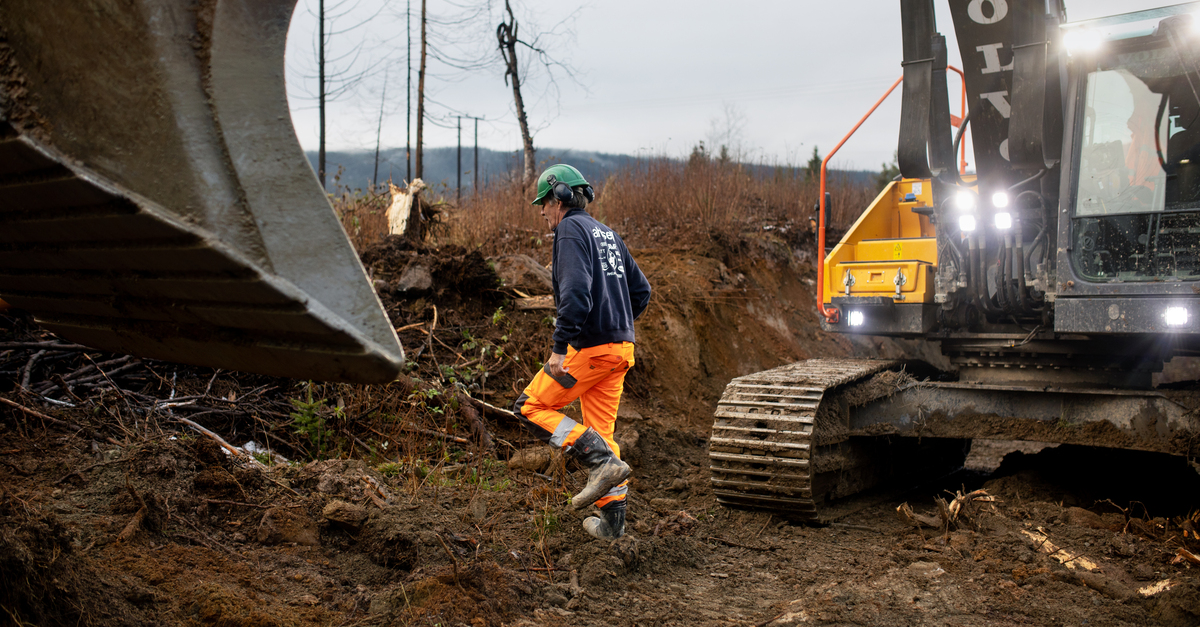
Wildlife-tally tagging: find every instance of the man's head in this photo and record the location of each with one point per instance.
(560, 189)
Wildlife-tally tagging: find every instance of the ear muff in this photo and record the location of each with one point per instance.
(561, 191)
(589, 193)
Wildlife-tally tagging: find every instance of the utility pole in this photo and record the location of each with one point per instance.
(321, 89)
(458, 185)
(408, 107)
(421, 100)
(475, 186)
(379, 130)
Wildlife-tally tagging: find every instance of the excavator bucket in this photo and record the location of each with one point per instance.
(154, 199)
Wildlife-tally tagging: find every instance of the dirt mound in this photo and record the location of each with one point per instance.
(402, 268)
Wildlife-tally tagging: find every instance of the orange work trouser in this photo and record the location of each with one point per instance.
(595, 376)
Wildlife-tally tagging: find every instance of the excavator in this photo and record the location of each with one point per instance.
(154, 199)
(1057, 278)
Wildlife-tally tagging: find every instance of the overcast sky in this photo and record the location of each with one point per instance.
(652, 77)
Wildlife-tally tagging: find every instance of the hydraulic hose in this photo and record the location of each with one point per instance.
(958, 135)
(978, 284)
(1019, 258)
(1004, 275)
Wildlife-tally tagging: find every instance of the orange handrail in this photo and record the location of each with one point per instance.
(831, 315)
(962, 164)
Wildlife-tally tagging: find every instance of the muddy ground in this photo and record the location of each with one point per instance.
(391, 510)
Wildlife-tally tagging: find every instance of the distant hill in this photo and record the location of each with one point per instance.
(357, 167)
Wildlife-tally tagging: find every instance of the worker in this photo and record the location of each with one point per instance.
(598, 293)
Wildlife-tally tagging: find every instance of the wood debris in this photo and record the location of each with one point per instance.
(535, 302)
(1184, 556)
(1041, 542)
(949, 513)
(1156, 587)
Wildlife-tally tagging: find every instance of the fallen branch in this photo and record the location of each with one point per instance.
(486, 406)
(1099, 582)
(219, 502)
(911, 518)
(50, 346)
(58, 423)
(737, 545)
(236, 452)
(436, 434)
(27, 372)
(135, 524)
(1042, 544)
(1183, 555)
(477, 425)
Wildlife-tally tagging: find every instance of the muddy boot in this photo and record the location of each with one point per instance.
(610, 525)
(605, 470)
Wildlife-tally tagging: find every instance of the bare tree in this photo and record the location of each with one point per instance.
(339, 75)
(507, 35)
(725, 132)
(379, 130)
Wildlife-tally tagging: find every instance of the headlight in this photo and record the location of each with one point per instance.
(966, 223)
(855, 318)
(1176, 316)
(1000, 199)
(1081, 41)
(1004, 221)
(965, 201)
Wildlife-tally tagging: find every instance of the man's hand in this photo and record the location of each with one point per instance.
(555, 365)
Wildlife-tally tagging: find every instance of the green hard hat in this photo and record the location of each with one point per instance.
(557, 173)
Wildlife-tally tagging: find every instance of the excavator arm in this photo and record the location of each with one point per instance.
(154, 199)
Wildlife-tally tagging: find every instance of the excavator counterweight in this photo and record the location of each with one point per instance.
(154, 199)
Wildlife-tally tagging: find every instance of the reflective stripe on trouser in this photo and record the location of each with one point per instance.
(596, 378)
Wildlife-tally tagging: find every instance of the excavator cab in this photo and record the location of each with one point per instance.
(154, 199)
(1136, 213)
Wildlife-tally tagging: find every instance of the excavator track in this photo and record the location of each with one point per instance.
(768, 450)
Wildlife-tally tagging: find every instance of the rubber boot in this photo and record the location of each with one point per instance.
(605, 470)
(610, 525)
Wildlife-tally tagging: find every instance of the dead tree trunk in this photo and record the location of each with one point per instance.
(506, 34)
(420, 168)
(321, 90)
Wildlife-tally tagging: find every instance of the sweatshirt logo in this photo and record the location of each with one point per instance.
(610, 255)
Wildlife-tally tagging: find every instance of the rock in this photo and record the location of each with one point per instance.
(283, 526)
(554, 598)
(626, 411)
(626, 548)
(1083, 518)
(415, 278)
(330, 483)
(628, 440)
(664, 505)
(380, 604)
(679, 485)
(348, 516)
(479, 509)
(523, 273)
(533, 459)
(929, 570)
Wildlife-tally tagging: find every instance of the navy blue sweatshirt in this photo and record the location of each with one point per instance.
(598, 289)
